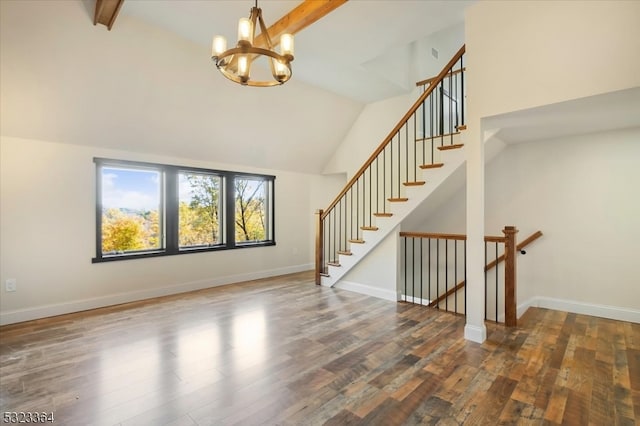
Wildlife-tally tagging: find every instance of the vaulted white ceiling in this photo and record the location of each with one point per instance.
(347, 52)
(149, 84)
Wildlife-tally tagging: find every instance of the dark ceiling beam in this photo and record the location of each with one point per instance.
(107, 12)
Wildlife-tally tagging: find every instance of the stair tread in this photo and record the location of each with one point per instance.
(369, 228)
(397, 200)
(356, 241)
(345, 252)
(437, 136)
(463, 127)
(324, 274)
(333, 263)
(415, 183)
(383, 214)
(431, 166)
(447, 147)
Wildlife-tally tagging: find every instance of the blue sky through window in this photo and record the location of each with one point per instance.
(134, 189)
(139, 189)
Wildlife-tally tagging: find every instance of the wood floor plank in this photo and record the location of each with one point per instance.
(366, 401)
(602, 396)
(557, 403)
(408, 387)
(284, 351)
(389, 374)
(635, 397)
(343, 418)
(576, 410)
(514, 412)
(633, 360)
(500, 391)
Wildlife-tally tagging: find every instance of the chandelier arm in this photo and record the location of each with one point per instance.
(253, 17)
(243, 50)
(255, 83)
(263, 30)
(224, 66)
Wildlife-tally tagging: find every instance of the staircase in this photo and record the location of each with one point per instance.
(419, 154)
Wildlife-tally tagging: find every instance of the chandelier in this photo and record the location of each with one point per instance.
(235, 63)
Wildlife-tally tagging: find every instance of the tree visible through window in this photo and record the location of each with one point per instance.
(251, 199)
(130, 210)
(199, 209)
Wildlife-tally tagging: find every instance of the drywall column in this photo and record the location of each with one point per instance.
(475, 329)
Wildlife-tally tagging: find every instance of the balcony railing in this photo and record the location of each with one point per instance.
(434, 272)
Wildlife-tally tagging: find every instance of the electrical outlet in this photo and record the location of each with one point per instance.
(10, 284)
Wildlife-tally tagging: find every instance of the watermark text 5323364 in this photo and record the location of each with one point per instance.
(27, 417)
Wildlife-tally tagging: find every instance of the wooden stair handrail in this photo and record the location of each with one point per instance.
(395, 130)
(459, 237)
(429, 80)
(488, 267)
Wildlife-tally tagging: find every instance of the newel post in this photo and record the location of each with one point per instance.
(319, 248)
(510, 298)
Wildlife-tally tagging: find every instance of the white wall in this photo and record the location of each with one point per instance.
(405, 64)
(47, 234)
(368, 131)
(522, 54)
(377, 274)
(581, 192)
(447, 42)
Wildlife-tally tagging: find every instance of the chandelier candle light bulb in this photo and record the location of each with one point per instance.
(245, 31)
(219, 45)
(281, 69)
(235, 63)
(286, 45)
(243, 66)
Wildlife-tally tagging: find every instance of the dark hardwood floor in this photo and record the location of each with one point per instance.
(284, 351)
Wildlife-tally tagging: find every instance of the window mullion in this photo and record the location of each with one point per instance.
(172, 221)
(230, 210)
(98, 210)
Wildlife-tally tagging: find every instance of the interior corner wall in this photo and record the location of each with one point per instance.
(446, 42)
(580, 191)
(47, 234)
(523, 54)
(373, 124)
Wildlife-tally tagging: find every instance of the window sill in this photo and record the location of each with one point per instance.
(190, 250)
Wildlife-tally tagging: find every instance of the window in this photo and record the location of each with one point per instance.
(145, 210)
(131, 205)
(251, 210)
(199, 209)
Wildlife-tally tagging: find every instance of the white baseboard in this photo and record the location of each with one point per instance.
(413, 299)
(380, 293)
(20, 315)
(603, 311)
(475, 333)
